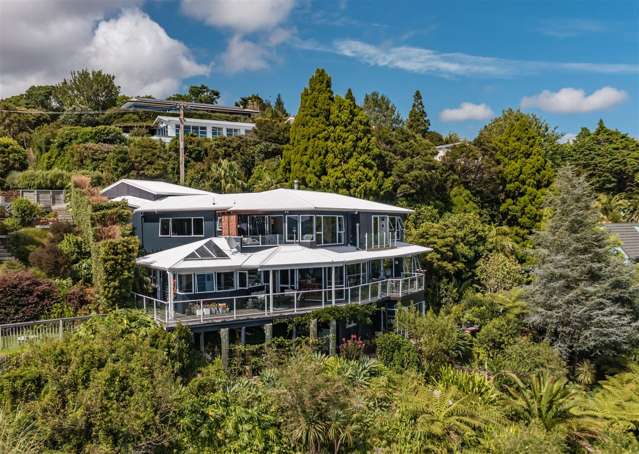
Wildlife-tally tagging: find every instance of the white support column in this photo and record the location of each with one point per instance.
(333, 285)
(169, 309)
(322, 287)
(270, 285)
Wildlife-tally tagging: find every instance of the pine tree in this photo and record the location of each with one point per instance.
(418, 121)
(279, 107)
(583, 298)
(353, 159)
(381, 111)
(520, 144)
(304, 158)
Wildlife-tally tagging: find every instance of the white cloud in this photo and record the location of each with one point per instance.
(569, 137)
(428, 61)
(572, 100)
(244, 55)
(41, 44)
(569, 28)
(467, 111)
(242, 16)
(145, 59)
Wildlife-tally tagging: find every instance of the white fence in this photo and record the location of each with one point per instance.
(16, 334)
(266, 304)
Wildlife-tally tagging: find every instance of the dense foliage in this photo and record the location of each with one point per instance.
(529, 342)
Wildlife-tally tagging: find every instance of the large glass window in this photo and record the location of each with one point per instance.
(332, 230)
(307, 228)
(376, 269)
(242, 225)
(181, 227)
(254, 278)
(198, 227)
(217, 132)
(354, 274)
(185, 283)
(165, 227)
(277, 225)
(292, 228)
(257, 225)
(242, 279)
(225, 281)
(231, 132)
(205, 282)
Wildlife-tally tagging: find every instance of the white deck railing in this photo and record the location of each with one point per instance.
(13, 335)
(284, 303)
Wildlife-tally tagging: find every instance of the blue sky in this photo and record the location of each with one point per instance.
(571, 62)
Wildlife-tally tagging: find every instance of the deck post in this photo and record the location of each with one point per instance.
(332, 349)
(224, 343)
(201, 311)
(400, 287)
(61, 328)
(169, 309)
(202, 342)
(270, 287)
(312, 329)
(333, 285)
(295, 302)
(268, 333)
(243, 335)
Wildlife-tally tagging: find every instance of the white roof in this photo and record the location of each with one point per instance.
(274, 200)
(159, 188)
(284, 256)
(132, 201)
(206, 202)
(201, 121)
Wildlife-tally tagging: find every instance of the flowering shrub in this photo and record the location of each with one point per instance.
(352, 348)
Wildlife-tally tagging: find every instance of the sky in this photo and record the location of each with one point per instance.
(571, 62)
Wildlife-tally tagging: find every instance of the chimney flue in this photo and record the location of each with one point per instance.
(296, 184)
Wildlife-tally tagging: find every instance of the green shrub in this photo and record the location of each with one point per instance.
(496, 335)
(522, 438)
(396, 352)
(23, 242)
(469, 382)
(524, 358)
(25, 212)
(114, 271)
(12, 156)
(39, 179)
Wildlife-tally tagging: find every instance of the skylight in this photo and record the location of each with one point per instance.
(207, 251)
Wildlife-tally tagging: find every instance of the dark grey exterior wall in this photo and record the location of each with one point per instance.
(122, 189)
(147, 228)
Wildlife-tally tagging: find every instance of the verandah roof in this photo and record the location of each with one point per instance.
(279, 257)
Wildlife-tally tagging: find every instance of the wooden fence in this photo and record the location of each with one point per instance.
(46, 198)
(14, 335)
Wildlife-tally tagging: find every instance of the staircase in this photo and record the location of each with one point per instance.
(62, 212)
(4, 254)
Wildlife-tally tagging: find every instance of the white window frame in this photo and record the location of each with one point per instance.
(171, 235)
(297, 232)
(217, 289)
(340, 233)
(237, 279)
(299, 223)
(193, 284)
(195, 275)
(160, 228)
(219, 131)
(239, 132)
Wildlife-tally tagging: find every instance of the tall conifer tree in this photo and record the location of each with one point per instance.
(418, 121)
(583, 299)
(304, 158)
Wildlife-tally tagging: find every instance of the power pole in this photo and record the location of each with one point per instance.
(181, 143)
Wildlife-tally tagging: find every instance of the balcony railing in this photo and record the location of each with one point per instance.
(262, 304)
(382, 240)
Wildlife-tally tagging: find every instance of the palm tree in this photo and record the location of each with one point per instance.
(548, 400)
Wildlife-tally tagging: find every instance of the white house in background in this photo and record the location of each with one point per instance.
(167, 128)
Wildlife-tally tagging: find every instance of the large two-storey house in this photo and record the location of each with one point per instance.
(226, 258)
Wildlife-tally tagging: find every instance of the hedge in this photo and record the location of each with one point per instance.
(112, 259)
(24, 297)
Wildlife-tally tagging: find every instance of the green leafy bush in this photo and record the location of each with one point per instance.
(39, 179)
(497, 334)
(23, 242)
(24, 297)
(397, 352)
(524, 358)
(114, 271)
(25, 212)
(12, 156)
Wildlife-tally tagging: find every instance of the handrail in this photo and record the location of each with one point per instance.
(164, 312)
(48, 320)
